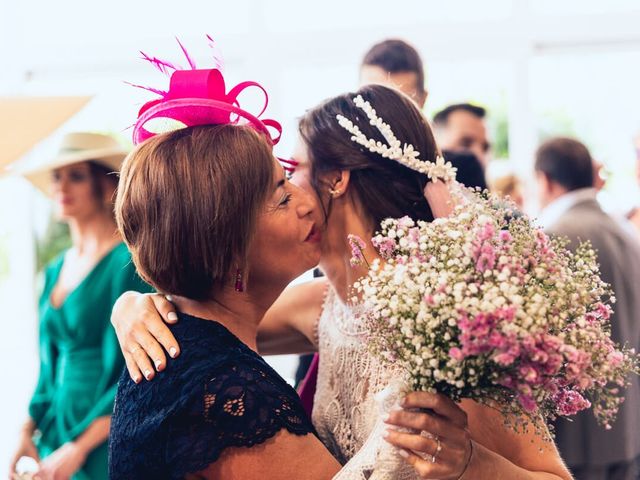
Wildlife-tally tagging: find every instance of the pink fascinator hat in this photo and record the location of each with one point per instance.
(198, 97)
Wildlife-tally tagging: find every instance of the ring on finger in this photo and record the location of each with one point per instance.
(434, 457)
(427, 456)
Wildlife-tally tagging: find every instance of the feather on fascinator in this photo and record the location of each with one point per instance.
(198, 97)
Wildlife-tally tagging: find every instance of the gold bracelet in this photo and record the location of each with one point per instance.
(468, 461)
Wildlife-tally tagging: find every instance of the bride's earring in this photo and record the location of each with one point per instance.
(334, 193)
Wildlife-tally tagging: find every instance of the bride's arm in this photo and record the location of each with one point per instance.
(289, 326)
(139, 322)
(497, 451)
(512, 455)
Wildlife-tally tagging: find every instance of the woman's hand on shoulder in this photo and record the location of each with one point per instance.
(139, 321)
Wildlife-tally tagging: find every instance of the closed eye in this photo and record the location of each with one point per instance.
(286, 199)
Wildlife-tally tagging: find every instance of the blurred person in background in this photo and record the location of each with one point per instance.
(396, 64)
(564, 172)
(600, 175)
(461, 128)
(80, 361)
(469, 170)
(510, 186)
(634, 214)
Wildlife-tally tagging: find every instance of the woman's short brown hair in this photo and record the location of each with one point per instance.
(188, 202)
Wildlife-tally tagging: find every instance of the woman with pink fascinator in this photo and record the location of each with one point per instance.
(355, 188)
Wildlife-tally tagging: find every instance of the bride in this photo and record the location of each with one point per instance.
(357, 189)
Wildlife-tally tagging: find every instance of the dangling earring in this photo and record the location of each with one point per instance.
(239, 282)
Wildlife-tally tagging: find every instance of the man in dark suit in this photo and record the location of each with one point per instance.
(462, 128)
(564, 171)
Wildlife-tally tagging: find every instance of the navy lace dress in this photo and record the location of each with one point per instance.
(217, 394)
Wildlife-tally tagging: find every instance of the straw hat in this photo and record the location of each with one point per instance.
(78, 147)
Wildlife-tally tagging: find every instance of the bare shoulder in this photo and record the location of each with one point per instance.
(283, 456)
(302, 304)
(304, 295)
(289, 326)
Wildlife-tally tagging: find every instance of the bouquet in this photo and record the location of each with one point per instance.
(484, 305)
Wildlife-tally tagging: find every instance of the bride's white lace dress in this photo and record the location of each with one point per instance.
(345, 411)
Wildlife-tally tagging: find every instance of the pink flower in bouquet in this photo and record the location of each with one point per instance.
(526, 400)
(357, 247)
(505, 236)
(480, 334)
(456, 354)
(385, 246)
(570, 402)
(615, 358)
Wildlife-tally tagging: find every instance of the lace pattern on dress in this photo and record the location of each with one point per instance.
(345, 409)
(218, 394)
(241, 406)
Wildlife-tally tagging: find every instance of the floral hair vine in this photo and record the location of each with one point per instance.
(405, 155)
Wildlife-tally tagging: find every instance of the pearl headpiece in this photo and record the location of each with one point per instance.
(406, 155)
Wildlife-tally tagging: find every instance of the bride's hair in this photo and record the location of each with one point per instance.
(383, 187)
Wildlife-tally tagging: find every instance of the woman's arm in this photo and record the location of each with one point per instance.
(496, 452)
(139, 322)
(513, 455)
(289, 326)
(69, 458)
(95, 435)
(282, 457)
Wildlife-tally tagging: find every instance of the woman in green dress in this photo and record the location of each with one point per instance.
(80, 361)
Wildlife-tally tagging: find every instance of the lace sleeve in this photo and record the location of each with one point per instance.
(241, 405)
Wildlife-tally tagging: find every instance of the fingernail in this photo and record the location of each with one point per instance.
(385, 434)
(173, 351)
(385, 417)
(169, 298)
(147, 374)
(136, 379)
(403, 453)
(158, 364)
(172, 316)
